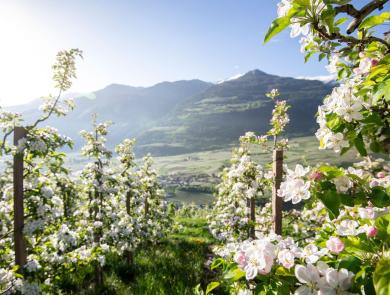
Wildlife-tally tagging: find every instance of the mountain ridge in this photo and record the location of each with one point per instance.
(191, 115)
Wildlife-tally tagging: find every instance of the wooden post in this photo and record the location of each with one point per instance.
(19, 241)
(251, 204)
(277, 202)
(146, 206)
(128, 199)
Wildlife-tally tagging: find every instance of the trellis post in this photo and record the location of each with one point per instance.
(251, 207)
(19, 241)
(277, 202)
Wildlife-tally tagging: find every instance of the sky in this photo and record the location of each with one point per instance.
(140, 43)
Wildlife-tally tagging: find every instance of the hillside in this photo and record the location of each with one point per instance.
(223, 112)
(188, 116)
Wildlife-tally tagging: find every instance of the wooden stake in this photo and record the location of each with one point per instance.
(251, 204)
(19, 241)
(277, 202)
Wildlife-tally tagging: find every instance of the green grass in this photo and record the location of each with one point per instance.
(191, 197)
(302, 150)
(176, 265)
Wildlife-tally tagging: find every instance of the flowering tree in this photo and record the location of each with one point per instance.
(153, 219)
(242, 182)
(344, 247)
(43, 202)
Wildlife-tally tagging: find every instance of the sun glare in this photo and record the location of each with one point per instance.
(22, 50)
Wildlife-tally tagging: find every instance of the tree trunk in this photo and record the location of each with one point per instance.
(19, 241)
(277, 202)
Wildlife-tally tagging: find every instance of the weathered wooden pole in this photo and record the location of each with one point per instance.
(146, 206)
(19, 241)
(277, 202)
(251, 204)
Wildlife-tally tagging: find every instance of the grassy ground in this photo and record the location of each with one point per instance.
(196, 198)
(175, 266)
(302, 150)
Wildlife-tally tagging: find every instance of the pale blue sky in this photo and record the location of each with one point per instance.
(141, 42)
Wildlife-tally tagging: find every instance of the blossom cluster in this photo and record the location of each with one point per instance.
(242, 181)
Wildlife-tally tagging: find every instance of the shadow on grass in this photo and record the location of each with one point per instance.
(173, 266)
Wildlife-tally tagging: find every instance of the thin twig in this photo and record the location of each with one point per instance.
(349, 39)
(365, 11)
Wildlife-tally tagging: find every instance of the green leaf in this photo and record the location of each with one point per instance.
(331, 201)
(359, 144)
(351, 263)
(375, 147)
(341, 21)
(334, 122)
(211, 287)
(331, 171)
(383, 225)
(382, 277)
(276, 27)
(281, 271)
(321, 56)
(380, 198)
(234, 274)
(308, 55)
(217, 263)
(374, 20)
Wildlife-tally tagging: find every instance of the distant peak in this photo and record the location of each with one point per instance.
(117, 85)
(256, 73)
(231, 78)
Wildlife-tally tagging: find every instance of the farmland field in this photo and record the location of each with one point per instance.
(208, 164)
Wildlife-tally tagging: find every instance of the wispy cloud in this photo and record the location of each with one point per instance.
(231, 78)
(324, 78)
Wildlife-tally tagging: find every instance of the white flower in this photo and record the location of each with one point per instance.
(47, 191)
(299, 171)
(297, 29)
(343, 183)
(312, 254)
(367, 213)
(347, 227)
(334, 60)
(98, 224)
(295, 190)
(364, 66)
(336, 282)
(309, 276)
(32, 265)
(335, 141)
(350, 111)
(283, 7)
(5, 276)
(244, 292)
(256, 257)
(286, 258)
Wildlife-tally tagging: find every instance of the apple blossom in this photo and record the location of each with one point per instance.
(335, 245)
(372, 231)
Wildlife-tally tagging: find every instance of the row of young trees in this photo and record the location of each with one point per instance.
(338, 243)
(54, 221)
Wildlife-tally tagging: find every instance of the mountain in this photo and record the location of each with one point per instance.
(224, 111)
(185, 116)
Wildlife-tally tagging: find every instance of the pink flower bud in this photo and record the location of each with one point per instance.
(316, 175)
(381, 174)
(335, 245)
(374, 62)
(371, 232)
(240, 258)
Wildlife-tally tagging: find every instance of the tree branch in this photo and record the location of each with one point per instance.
(348, 9)
(3, 143)
(44, 118)
(359, 15)
(349, 39)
